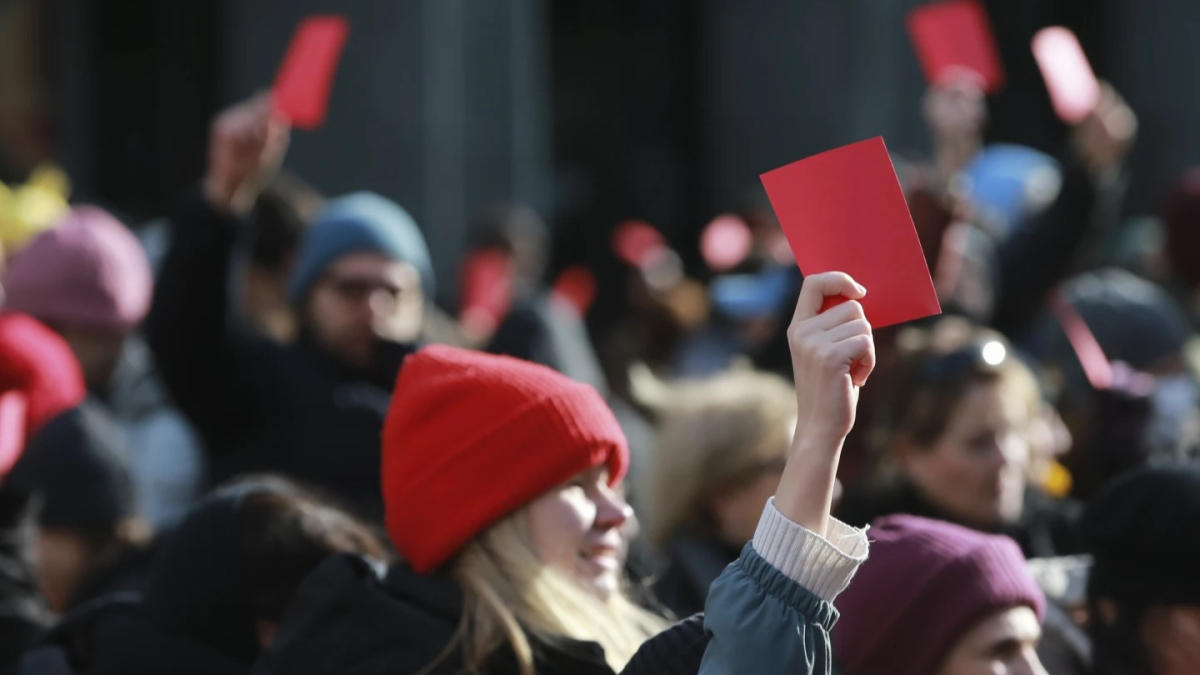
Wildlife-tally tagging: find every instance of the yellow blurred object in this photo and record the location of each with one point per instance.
(1056, 480)
(26, 210)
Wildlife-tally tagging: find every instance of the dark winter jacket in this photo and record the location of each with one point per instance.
(693, 564)
(23, 612)
(258, 404)
(1048, 528)
(350, 618)
(115, 636)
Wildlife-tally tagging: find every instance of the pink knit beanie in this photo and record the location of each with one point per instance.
(89, 271)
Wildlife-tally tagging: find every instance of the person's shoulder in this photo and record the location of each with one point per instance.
(355, 612)
(675, 651)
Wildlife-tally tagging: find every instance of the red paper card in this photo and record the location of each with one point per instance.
(843, 210)
(577, 287)
(302, 87)
(637, 242)
(13, 407)
(1073, 87)
(953, 38)
(487, 285)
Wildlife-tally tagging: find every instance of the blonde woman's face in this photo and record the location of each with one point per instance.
(579, 529)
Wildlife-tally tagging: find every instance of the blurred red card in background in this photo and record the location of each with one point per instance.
(13, 407)
(487, 287)
(576, 286)
(1073, 87)
(726, 242)
(843, 210)
(637, 242)
(305, 79)
(955, 38)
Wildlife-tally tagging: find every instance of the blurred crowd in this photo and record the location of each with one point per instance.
(264, 448)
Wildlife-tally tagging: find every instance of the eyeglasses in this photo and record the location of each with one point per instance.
(357, 289)
(985, 356)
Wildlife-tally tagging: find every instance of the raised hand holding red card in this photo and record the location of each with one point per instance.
(844, 211)
(305, 79)
(1073, 87)
(954, 39)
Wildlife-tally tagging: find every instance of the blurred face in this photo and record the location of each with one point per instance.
(580, 530)
(98, 354)
(975, 472)
(738, 508)
(364, 298)
(264, 296)
(1049, 439)
(1004, 643)
(1172, 639)
(60, 559)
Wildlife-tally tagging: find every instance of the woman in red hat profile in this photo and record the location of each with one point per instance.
(502, 484)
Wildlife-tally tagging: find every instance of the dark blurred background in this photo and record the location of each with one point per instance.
(592, 112)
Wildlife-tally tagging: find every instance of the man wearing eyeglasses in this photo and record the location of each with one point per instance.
(313, 409)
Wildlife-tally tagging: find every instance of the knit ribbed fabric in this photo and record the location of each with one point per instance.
(89, 271)
(823, 565)
(472, 437)
(925, 585)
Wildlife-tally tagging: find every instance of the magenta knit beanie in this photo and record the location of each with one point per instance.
(472, 437)
(925, 584)
(89, 271)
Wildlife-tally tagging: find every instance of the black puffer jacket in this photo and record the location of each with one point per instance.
(115, 636)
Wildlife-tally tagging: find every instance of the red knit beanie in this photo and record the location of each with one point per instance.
(925, 585)
(39, 378)
(472, 437)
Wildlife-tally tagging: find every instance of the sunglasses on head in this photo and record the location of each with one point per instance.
(983, 356)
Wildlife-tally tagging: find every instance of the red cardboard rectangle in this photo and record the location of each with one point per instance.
(305, 79)
(1073, 87)
(955, 38)
(13, 408)
(844, 210)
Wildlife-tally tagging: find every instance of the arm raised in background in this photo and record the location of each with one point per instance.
(1062, 240)
(771, 611)
(209, 365)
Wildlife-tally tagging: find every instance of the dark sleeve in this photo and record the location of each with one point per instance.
(675, 651)
(1038, 256)
(523, 335)
(210, 367)
(23, 613)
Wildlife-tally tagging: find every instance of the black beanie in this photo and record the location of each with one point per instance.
(1143, 532)
(78, 470)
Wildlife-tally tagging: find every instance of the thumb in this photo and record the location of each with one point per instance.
(820, 286)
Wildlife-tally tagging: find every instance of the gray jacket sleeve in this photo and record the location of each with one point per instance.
(771, 611)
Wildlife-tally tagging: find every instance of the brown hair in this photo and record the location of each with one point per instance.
(713, 434)
(285, 531)
(933, 370)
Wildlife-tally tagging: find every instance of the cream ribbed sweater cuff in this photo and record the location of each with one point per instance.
(823, 565)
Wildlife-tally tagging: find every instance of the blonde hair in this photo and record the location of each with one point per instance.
(714, 433)
(510, 595)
